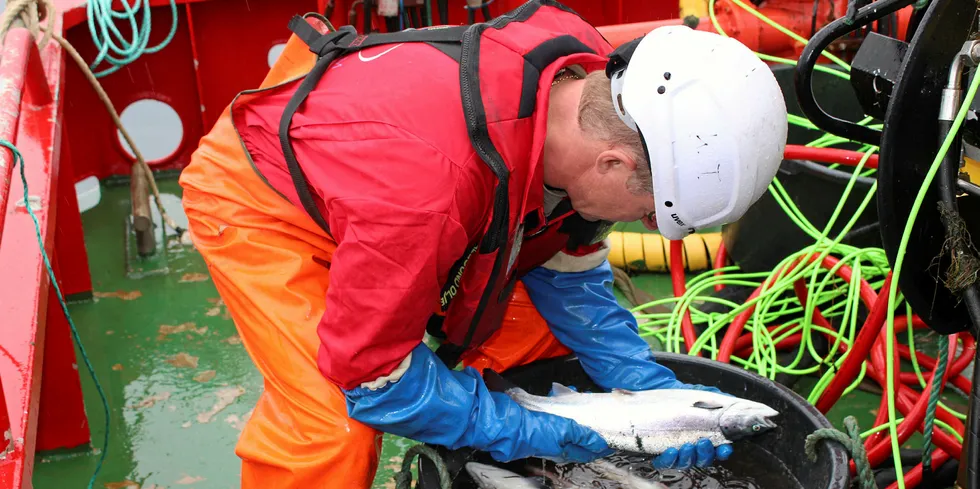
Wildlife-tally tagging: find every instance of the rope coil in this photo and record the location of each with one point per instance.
(852, 443)
(30, 13)
(403, 479)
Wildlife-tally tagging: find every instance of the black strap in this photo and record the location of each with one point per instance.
(329, 47)
(621, 57)
(439, 34)
(303, 30)
(327, 42)
(322, 43)
(450, 354)
(299, 179)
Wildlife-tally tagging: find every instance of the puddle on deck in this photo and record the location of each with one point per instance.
(179, 383)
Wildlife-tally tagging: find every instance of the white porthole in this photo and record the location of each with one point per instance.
(274, 53)
(155, 127)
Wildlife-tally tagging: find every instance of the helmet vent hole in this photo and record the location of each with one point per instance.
(667, 76)
(669, 204)
(619, 99)
(661, 89)
(619, 74)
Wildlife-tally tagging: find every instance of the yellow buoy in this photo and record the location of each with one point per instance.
(649, 252)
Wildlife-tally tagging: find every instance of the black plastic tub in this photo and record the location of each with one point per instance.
(775, 460)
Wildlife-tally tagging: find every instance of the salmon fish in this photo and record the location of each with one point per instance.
(650, 422)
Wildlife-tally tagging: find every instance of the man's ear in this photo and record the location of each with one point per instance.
(613, 159)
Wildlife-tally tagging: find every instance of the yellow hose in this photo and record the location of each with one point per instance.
(648, 252)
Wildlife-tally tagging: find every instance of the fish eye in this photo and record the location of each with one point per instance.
(756, 428)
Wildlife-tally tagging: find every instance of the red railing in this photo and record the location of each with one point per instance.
(18, 49)
(35, 339)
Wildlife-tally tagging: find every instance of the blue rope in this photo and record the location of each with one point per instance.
(113, 47)
(64, 307)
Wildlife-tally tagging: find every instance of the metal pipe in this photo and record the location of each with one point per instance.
(953, 92)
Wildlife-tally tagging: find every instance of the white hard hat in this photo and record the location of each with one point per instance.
(712, 120)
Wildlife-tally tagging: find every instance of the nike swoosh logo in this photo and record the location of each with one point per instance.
(376, 56)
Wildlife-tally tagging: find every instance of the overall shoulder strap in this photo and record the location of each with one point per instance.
(328, 48)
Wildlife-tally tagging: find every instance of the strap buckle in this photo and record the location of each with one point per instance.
(334, 41)
(321, 44)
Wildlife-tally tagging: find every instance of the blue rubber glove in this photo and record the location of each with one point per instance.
(583, 314)
(436, 405)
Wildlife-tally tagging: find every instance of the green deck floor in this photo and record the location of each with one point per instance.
(171, 428)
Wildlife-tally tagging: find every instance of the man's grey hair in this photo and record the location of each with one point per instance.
(598, 118)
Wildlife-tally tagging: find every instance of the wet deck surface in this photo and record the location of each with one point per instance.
(180, 385)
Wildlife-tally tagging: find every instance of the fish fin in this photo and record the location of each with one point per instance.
(496, 383)
(561, 390)
(623, 392)
(707, 405)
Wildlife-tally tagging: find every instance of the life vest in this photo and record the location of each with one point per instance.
(521, 46)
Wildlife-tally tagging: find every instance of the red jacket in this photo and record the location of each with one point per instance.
(388, 149)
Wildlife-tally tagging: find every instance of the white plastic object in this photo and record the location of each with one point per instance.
(713, 120)
(174, 208)
(88, 193)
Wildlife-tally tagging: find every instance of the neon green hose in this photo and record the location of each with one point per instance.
(838, 301)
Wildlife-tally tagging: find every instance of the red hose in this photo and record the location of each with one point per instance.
(905, 401)
(879, 452)
(958, 365)
(727, 347)
(859, 351)
(869, 346)
(901, 323)
(720, 259)
(880, 419)
(914, 477)
(744, 348)
(735, 329)
(828, 155)
(679, 281)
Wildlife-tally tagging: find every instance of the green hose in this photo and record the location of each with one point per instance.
(837, 300)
